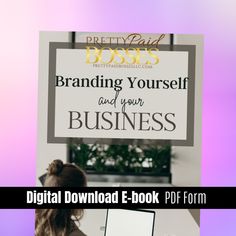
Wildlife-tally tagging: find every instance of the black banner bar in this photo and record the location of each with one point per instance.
(119, 197)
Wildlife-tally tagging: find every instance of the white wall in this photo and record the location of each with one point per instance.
(46, 152)
(186, 166)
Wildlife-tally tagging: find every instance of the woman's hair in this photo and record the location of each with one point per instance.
(57, 222)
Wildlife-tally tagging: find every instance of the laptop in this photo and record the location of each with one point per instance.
(127, 222)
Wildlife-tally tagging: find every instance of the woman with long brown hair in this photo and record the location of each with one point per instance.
(59, 222)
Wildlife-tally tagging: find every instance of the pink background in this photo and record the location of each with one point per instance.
(20, 24)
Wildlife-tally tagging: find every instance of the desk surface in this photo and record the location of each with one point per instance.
(168, 222)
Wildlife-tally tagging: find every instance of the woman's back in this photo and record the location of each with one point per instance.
(75, 230)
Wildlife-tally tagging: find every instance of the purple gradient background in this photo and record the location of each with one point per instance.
(20, 24)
